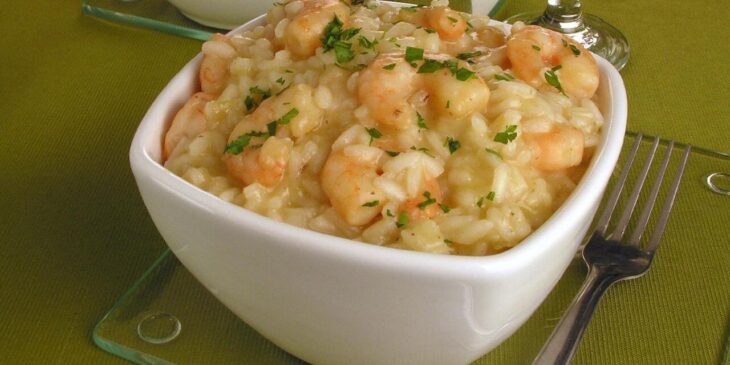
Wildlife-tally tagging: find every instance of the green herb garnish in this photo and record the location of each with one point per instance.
(444, 208)
(286, 118)
(413, 54)
(392, 153)
(402, 220)
(552, 80)
(371, 203)
(429, 200)
(575, 50)
(452, 19)
(463, 74)
(271, 128)
(452, 144)
(467, 55)
(491, 196)
(494, 153)
(374, 134)
(504, 77)
(389, 67)
(280, 81)
(430, 66)
(420, 121)
(336, 38)
(422, 149)
(509, 135)
(536, 47)
(388, 213)
(366, 43)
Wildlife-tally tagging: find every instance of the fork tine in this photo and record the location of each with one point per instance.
(623, 222)
(651, 201)
(602, 224)
(668, 203)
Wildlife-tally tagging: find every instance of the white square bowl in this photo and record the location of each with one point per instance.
(329, 300)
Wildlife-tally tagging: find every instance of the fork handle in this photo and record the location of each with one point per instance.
(564, 340)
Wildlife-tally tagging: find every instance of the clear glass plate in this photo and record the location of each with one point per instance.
(168, 317)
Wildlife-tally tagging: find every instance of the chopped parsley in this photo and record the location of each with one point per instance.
(422, 149)
(463, 74)
(280, 81)
(271, 128)
(366, 43)
(389, 67)
(357, 2)
(413, 54)
(286, 118)
(552, 79)
(392, 153)
(429, 200)
(374, 134)
(444, 208)
(240, 143)
(343, 52)
(565, 43)
(452, 144)
(255, 97)
(389, 213)
(509, 135)
(335, 38)
(420, 121)
(468, 55)
(536, 47)
(494, 153)
(504, 77)
(429, 30)
(575, 50)
(430, 66)
(402, 220)
(371, 203)
(452, 20)
(448, 242)
(448, 104)
(489, 197)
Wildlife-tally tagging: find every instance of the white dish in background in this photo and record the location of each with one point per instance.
(229, 14)
(329, 300)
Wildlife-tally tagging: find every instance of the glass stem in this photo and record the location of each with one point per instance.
(563, 15)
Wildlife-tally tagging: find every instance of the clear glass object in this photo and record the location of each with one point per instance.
(153, 14)
(566, 16)
(168, 317)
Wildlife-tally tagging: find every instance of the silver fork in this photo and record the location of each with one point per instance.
(611, 258)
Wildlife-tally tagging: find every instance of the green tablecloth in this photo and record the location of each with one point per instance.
(74, 233)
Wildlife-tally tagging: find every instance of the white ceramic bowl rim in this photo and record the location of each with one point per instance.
(144, 155)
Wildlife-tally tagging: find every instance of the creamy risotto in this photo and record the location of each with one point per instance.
(418, 128)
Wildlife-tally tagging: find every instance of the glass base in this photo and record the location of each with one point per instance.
(589, 30)
(168, 317)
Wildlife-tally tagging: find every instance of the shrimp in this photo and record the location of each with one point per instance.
(453, 97)
(535, 51)
(558, 149)
(264, 165)
(448, 23)
(188, 122)
(385, 92)
(303, 35)
(347, 179)
(298, 97)
(218, 53)
(426, 204)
